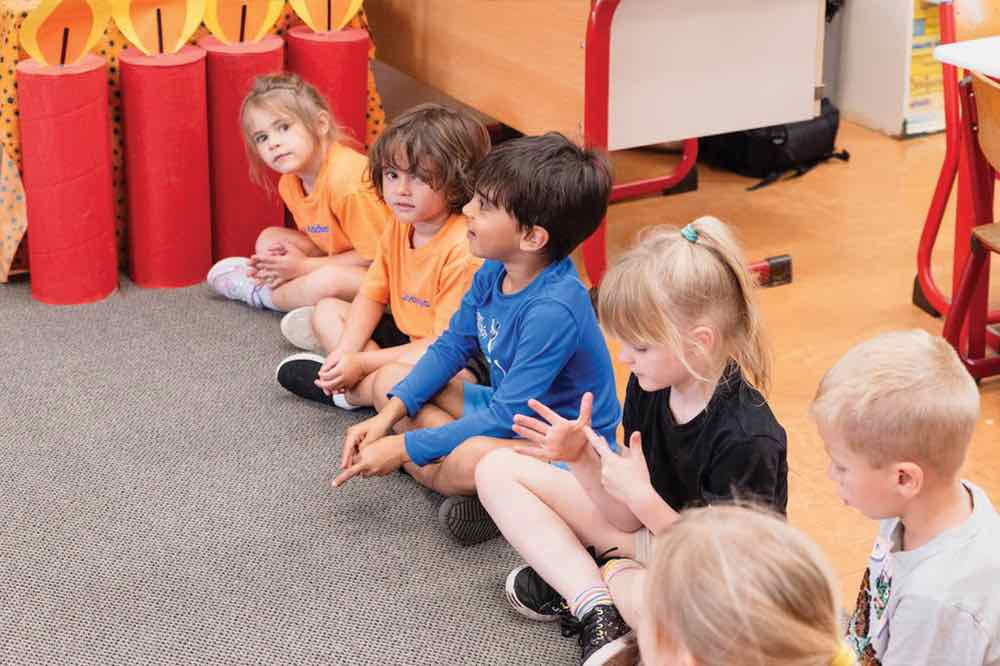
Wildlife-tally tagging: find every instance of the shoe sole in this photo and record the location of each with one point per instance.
(516, 604)
(467, 521)
(292, 325)
(623, 651)
(297, 375)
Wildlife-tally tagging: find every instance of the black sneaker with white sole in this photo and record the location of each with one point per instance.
(605, 639)
(533, 598)
(298, 374)
(467, 520)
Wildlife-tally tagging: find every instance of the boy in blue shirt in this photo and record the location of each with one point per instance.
(536, 199)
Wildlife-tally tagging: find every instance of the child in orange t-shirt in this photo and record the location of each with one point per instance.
(422, 168)
(288, 127)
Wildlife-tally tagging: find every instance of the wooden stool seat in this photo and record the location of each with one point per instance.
(989, 236)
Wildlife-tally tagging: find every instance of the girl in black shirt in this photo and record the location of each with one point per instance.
(697, 425)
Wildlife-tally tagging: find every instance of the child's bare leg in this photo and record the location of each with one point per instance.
(446, 406)
(626, 589)
(337, 281)
(547, 516)
(456, 473)
(328, 321)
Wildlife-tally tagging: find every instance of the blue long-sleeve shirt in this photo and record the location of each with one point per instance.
(542, 342)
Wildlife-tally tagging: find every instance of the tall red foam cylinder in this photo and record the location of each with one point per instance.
(337, 64)
(166, 167)
(66, 153)
(241, 209)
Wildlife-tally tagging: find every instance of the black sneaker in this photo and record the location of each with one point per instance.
(535, 599)
(298, 374)
(605, 639)
(532, 597)
(467, 520)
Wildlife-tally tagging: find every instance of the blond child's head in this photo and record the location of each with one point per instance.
(438, 145)
(685, 296)
(287, 126)
(896, 413)
(735, 585)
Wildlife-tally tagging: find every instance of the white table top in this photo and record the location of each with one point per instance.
(977, 55)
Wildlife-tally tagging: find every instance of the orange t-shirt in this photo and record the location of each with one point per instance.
(343, 212)
(422, 286)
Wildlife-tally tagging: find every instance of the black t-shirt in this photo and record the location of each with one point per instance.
(733, 449)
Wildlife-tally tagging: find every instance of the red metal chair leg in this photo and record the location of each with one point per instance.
(976, 269)
(955, 319)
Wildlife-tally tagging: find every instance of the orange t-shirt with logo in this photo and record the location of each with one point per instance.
(422, 286)
(343, 212)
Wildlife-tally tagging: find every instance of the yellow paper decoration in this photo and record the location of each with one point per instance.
(55, 25)
(178, 20)
(222, 18)
(324, 15)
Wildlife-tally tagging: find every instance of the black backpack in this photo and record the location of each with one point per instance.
(769, 152)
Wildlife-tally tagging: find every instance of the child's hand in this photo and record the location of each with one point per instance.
(278, 265)
(361, 435)
(340, 371)
(378, 458)
(624, 475)
(559, 439)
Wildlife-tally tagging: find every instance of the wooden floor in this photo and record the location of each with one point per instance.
(852, 230)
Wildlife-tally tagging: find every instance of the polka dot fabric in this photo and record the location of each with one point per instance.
(13, 218)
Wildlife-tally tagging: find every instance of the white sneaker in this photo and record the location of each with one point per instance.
(229, 278)
(297, 328)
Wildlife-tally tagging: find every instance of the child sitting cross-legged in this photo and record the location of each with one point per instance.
(288, 128)
(896, 414)
(536, 199)
(681, 305)
(422, 167)
(731, 585)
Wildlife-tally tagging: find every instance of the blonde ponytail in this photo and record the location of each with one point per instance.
(675, 279)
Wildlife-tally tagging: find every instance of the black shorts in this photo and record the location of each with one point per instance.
(387, 334)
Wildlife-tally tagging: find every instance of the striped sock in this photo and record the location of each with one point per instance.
(614, 567)
(590, 598)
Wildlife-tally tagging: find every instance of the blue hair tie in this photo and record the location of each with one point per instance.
(690, 233)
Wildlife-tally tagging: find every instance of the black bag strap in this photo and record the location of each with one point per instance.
(800, 170)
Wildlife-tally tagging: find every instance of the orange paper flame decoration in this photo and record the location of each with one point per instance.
(61, 32)
(158, 26)
(324, 15)
(241, 20)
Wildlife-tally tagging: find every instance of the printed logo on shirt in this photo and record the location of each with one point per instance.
(407, 298)
(488, 337)
(317, 229)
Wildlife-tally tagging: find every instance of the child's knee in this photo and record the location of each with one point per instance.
(494, 467)
(385, 378)
(268, 237)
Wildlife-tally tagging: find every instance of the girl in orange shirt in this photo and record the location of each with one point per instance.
(288, 127)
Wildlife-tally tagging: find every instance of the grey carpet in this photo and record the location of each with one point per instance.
(164, 501)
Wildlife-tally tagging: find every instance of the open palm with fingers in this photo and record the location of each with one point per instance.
(555, 437)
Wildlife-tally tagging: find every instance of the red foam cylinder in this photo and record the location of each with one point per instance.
(241, 209)
(66, 151)
(166, 167)
(337, 64)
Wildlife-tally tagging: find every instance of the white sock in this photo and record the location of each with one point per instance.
(265, 294)
(340, 400)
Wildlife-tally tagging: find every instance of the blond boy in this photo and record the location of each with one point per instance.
(896, 414)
